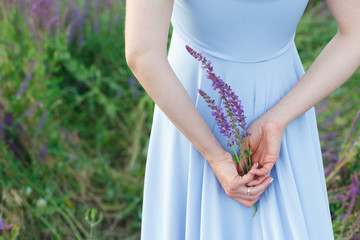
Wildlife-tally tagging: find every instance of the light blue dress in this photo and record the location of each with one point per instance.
(251, 46)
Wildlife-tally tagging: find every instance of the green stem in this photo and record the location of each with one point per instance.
(91, 231)
(244, 156)
(248, 153)
(255, 209)
(237, 158)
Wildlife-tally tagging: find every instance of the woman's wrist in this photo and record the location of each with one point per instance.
(216, 155)
(275, 118)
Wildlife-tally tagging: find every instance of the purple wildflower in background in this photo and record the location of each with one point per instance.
(350, 196)
(42, 121)
(24, 84)
(330, 136)
(2, 122)
(322, 107)
(353, 125)
(354, 192)
(328, 169)
(9, 119)
(43, 151)
(80, 40)
(96, 17)
(134, 88)
(96, 26)
(76, 22)
(3, 226)
(32, 109)
(118, 20)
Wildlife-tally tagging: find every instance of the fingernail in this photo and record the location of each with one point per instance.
(271, 180)
(257, 165)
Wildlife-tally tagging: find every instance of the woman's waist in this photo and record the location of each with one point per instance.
(234, 51)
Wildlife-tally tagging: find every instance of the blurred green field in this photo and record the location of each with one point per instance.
(75, 123)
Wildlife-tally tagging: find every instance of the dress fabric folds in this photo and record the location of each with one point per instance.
(251, 46)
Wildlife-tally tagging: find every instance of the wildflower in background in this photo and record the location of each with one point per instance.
(135, 90)
(43, 152)
(40, 124)
(3, 226)
(2, 122)
(328, 169)
(32, 109)
(353, 125)
(96, 24)
(353, 192)
(350, 196)
(24, 84)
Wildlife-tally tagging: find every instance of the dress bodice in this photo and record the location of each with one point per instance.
(239, 30)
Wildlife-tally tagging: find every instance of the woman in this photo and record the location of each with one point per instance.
(192, 186)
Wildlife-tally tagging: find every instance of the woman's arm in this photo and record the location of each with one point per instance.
(146, 34)
(335, 64)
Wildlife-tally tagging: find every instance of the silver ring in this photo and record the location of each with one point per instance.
(248, 191)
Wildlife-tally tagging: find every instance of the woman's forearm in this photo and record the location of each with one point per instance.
(335, 64)
(146, 35)
(159, 80)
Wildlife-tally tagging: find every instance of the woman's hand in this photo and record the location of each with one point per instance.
(265, 141)
(234, 185)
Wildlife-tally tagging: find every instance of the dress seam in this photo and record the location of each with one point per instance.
(195, 45)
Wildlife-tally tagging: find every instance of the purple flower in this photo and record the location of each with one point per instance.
(133, 87)
(3, 226)
(351, 195)
(232, 103)
(220, 118)
(354, 192)
(42, 121)
(330, 136)
(353, 124)
(235, 129)
(339, 198)
(96, 26)
(2, 122)
(32, 109)
(328, 169)
(322, 107)
(43, 151)
(24, 84)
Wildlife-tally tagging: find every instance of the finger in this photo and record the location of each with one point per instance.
(264, 171)
(257, 181)
(259, 189)
(235, 183)
(256, 191)
(249, 176)
(247, 203)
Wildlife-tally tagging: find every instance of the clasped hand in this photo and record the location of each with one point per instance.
(265, 141)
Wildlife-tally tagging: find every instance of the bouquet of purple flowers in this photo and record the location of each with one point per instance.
(232, 124)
